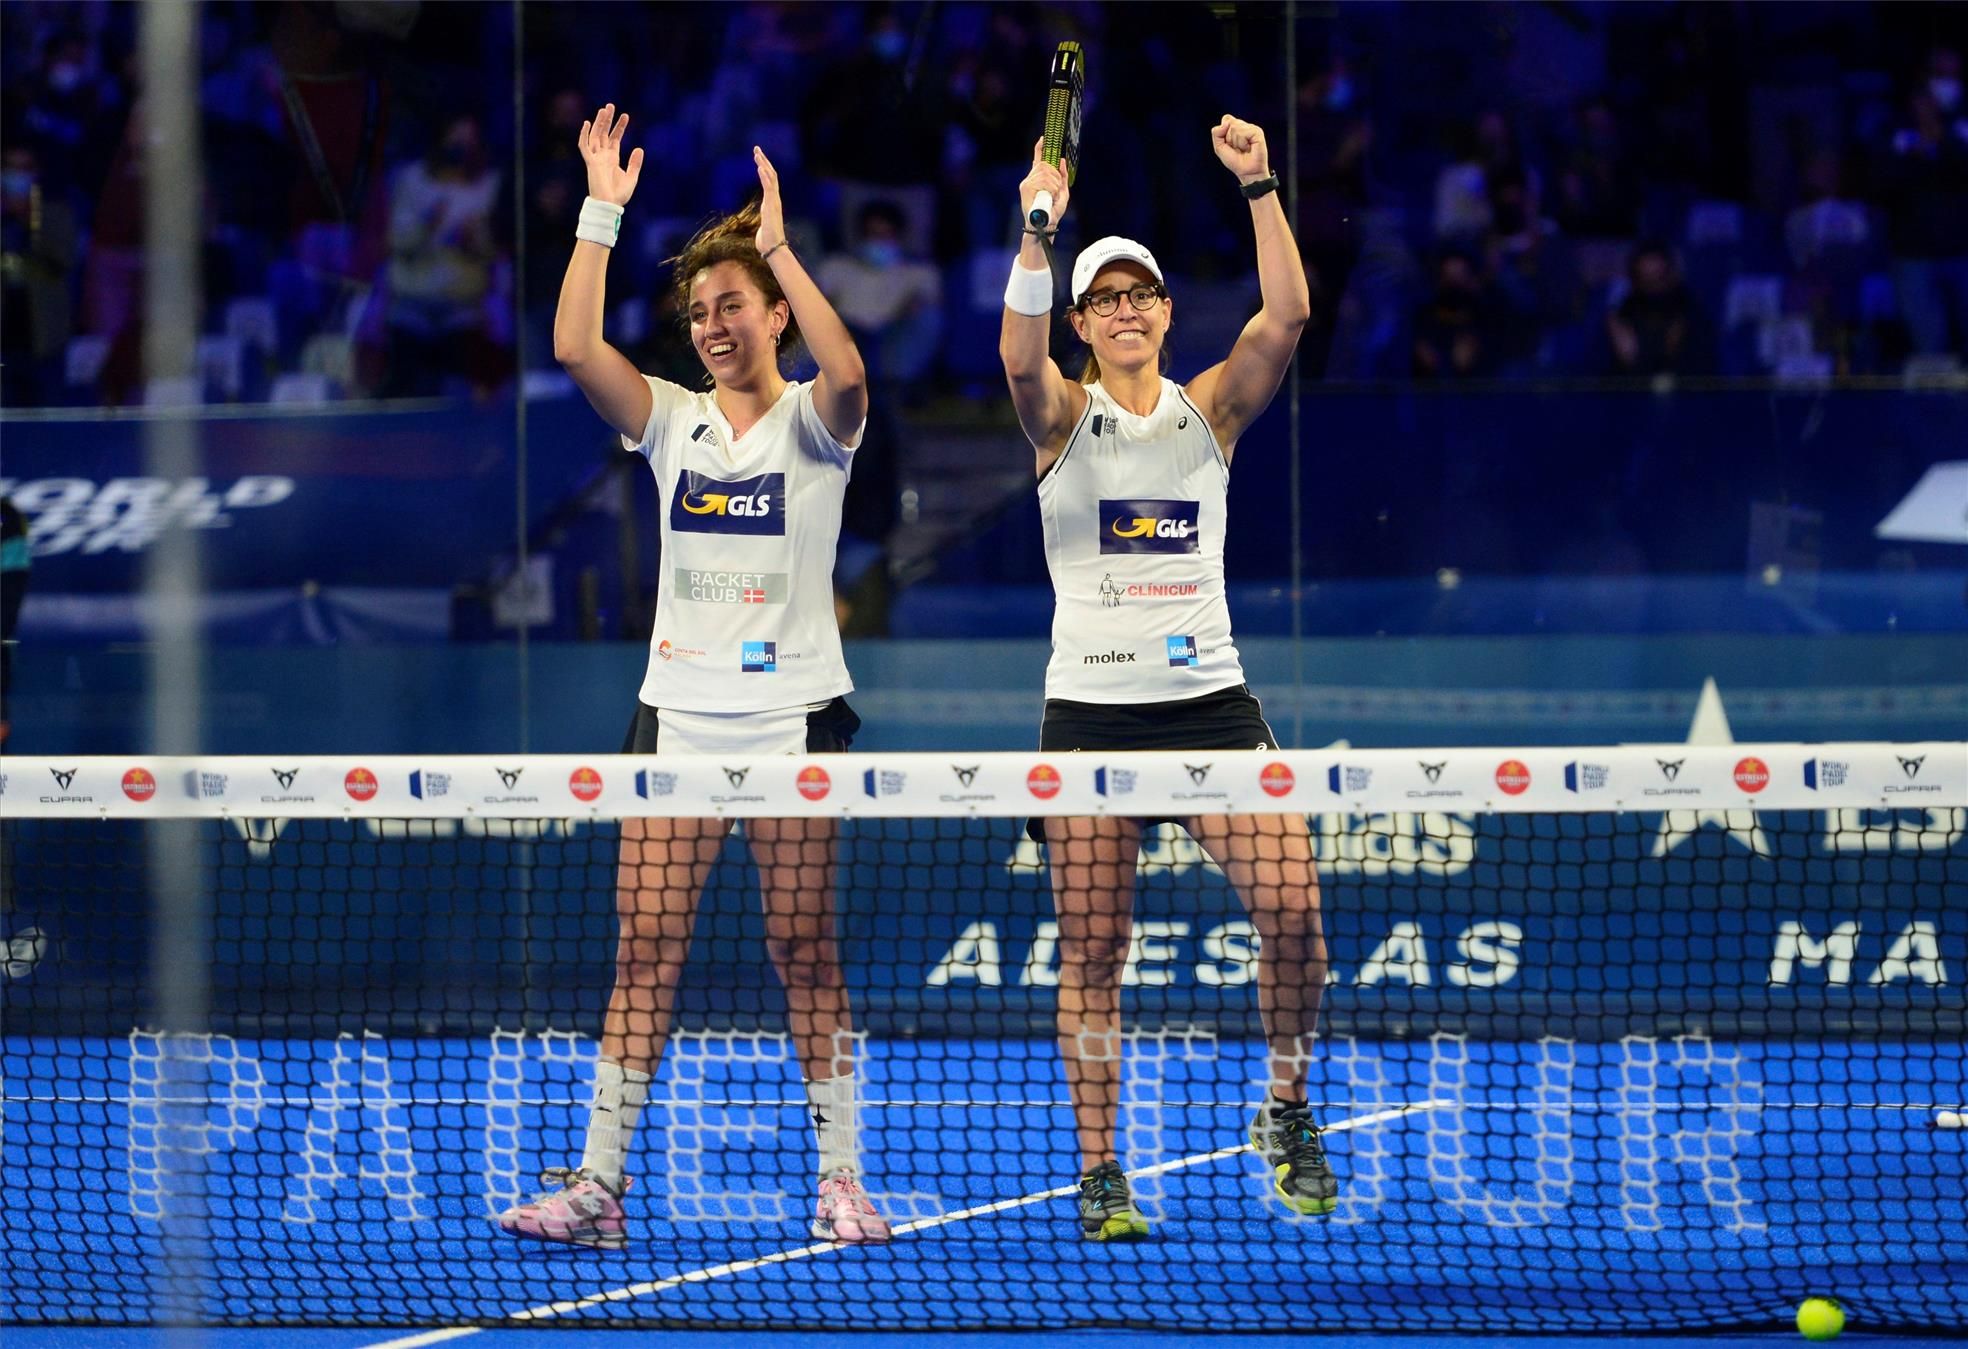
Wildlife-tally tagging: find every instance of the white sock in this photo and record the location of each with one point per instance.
(619, 1095)
(835, 1111)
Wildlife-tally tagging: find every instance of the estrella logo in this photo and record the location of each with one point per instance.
(1149, 525)
(1752, 774)
(360, 784)
(1043, 782)
(585, 783)
(813, 782)
(705, 505)
(1513, 777)
(139, 784)
(1276, 779)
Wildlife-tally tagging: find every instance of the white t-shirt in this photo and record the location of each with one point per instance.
(1135, 510)
(745, 604)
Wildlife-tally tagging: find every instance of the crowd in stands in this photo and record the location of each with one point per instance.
(1482, 192)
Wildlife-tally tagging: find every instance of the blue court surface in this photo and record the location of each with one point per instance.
(1641, 1187)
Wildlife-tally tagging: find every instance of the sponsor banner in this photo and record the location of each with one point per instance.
(1744, 778)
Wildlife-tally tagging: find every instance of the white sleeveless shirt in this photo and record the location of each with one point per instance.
(1134, 511)
(745, 601)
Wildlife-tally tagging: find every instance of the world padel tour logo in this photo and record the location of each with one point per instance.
(428, 786)
(1149, 525)
(585, 783)
(201, 785)
(1587, 777)
(1276, 779)
(1752, 774)
(1341, 779)
(139, 784)
(1043, 782)
(1513, 777)
(701, 504)
(1113, 781)
(813, 782)
(650, 783)
(880, 782)
(360, 784)
(1825, 773)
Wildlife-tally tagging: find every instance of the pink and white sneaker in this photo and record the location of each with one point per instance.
(584, 1211)
(845, 1213)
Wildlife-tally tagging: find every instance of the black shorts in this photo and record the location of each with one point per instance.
(830, 729)
(1230, 719)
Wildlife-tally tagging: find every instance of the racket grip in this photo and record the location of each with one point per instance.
(1041, 213)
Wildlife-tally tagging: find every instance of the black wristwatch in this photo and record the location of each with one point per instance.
(1262, 186)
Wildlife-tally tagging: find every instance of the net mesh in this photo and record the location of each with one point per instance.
(1588, 1056)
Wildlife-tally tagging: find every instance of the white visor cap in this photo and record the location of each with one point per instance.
(1103, 251)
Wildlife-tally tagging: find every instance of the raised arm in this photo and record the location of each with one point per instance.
(613, 385)
(1232, 394)
(1046, 401)
(840, 390)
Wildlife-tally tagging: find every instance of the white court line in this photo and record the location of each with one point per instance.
(553, 1309)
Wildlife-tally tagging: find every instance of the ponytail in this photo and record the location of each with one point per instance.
(730, 238)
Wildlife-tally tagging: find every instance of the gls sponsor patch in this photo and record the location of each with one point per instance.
(1149, 525)
(702, 504)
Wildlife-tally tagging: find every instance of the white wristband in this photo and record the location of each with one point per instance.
(600, 222)
(1029, 292)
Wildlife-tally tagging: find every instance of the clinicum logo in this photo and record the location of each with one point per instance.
(139, 784)
(813, 782)
(1276, 779)
(702, 504)
(758, 657)
(1182, 651)
(649, 783)
(1149, 526)
(1043, 782)
(1513, 777)
(1752, 774)
(426, 785)
(585, 783)
(361, 784)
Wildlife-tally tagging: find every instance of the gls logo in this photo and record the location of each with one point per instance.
(1149, 525)
(702, 504)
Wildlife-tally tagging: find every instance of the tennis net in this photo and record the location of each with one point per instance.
(1608, 1038)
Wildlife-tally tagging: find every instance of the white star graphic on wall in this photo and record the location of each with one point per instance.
(1710, 727)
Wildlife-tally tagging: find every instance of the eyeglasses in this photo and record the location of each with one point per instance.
(1104, 302)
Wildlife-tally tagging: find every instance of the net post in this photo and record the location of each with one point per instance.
(173, 584)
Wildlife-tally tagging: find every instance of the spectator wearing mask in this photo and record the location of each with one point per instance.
(1925, 186)
(442, 256)
(1656, 328)
(37, 250)
(1454, 332)
(892, 304)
